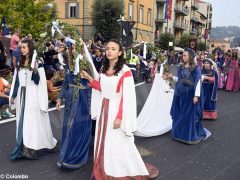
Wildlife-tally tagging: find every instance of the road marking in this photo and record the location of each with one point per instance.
(14, 119)
(139, 84)
(52, 109)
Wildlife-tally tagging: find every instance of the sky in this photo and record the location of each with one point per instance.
(225, 12)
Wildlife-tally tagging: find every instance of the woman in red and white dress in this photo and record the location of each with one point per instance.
(115, 154)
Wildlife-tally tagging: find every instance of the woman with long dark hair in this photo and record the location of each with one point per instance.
(186, 110)
(115, 154)
(34, 133)
(233, 79)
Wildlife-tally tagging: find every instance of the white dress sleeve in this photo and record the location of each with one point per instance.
(198, 89)
(42, 90)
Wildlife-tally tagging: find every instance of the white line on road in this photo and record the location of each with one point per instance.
(52, 109)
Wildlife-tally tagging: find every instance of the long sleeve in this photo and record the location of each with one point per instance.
(42, 90)
(35, 77)
(120, 109)
(129, 106)
(95, 84)
(198, 89)
(14, 86)
(197, 81)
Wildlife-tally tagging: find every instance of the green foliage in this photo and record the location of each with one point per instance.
(164, 40)
(67, 30)
(157, 51)
(29, 16)
(184, 40)
(201, 46)
(105, 15)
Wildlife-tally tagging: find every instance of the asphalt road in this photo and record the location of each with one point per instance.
(217, 158)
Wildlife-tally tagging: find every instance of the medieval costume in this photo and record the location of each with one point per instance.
(77, 124)
(34, 134)
(115, 154)
(209, 85)
(187, 117)
(232, 83)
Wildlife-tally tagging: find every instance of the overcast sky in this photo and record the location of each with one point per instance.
(225, 12)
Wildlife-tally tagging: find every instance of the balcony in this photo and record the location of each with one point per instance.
(194, 31)
(161, 1)
(195, 19)
(179, 26)
(195, 6)
(183, 11)
(160, 18)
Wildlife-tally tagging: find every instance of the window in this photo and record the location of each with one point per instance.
(149, 17)
(130, 11)
(141, 15)
(72, 10)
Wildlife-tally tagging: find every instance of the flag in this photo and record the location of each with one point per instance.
(169, 9)
(127, 36)
(166, 9)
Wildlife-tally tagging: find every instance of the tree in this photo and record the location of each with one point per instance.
(29, 16)
(105, 15)
(184, 40)
(201, 46)
(164, 40)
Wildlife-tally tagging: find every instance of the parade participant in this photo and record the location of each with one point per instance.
(209, 85)
(186, 109)
(232, 83)
(76, 132)
(220, 62)
(115, 154)
(34, 133)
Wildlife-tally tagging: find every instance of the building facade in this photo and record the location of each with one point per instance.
(183, 16)
(78, 13)
(177, 17)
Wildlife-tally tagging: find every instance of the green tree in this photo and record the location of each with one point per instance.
(201, 46)
(184, 40)
(28, 15)
(164, 40)
(105, 15)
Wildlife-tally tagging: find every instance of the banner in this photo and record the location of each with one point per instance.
(169, 9)
(166, 9)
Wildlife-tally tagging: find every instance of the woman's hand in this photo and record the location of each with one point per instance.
(117, 123)
(195, 100)
(85, 75)
(58, 104)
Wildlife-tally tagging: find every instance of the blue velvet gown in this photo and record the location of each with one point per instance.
(77, 124)
(187, 117)
(210, 94)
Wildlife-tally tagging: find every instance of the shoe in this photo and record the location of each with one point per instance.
(7, 114)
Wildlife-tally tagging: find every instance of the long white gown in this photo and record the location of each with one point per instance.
(154, 118)
(116, 146)
(37, 132)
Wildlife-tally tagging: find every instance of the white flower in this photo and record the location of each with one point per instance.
(43, 35)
